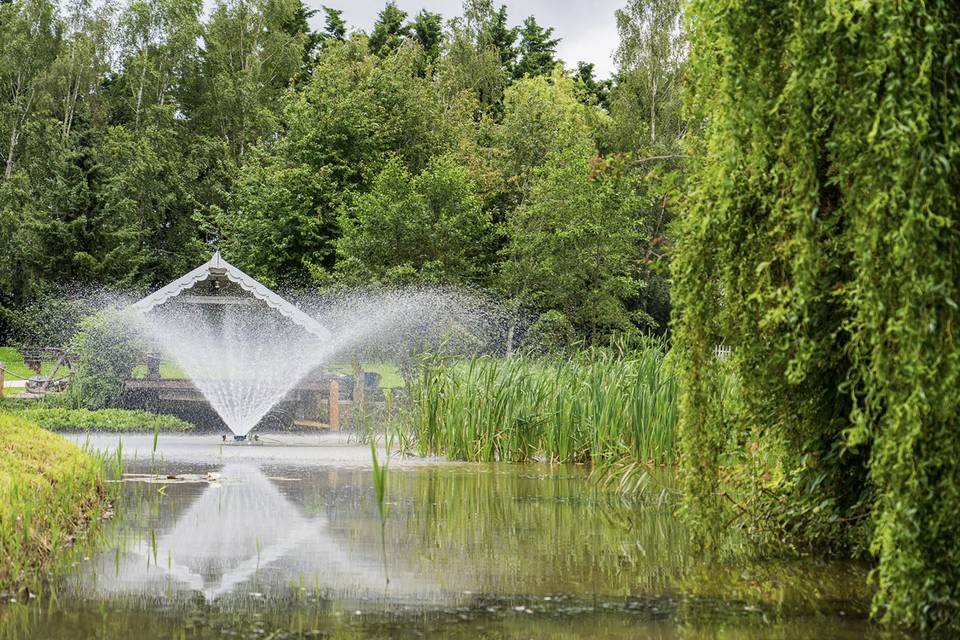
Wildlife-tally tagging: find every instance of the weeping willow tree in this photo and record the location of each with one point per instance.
(822, 242)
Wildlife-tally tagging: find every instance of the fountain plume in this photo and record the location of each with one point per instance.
(245, 348)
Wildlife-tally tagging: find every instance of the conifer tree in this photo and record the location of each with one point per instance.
(389, 30)
(536, 51)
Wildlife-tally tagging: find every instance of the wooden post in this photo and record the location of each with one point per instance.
(359, 381)
(334, 405)
(1, 379)
(153, 366)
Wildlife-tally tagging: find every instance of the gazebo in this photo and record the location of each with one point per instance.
(218, 289)
(219, 283)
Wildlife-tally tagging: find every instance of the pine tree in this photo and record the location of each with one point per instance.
(334, 26)
(537, 49)
(427, 29)
(389, 30)
(502, 38)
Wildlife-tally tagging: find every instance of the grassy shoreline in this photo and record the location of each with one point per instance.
(50, 491)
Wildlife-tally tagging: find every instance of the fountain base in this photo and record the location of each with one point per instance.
(244, 439)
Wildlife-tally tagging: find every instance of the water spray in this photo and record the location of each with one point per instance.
(245, 348)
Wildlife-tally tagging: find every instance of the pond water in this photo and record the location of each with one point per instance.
(283, 540)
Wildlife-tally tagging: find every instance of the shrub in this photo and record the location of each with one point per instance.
(52, 316)
(107, 348)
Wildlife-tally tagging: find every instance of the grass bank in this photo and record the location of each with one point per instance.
(49, 491)
(600, 405)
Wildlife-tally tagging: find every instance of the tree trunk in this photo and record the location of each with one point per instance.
(653, 113)
(143, 79)
(8, 170)
(14, 128)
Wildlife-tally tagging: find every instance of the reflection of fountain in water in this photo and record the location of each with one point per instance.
(245, 348)
(239, 532)
(232, 531)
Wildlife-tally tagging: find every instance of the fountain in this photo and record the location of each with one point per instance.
(245, 348)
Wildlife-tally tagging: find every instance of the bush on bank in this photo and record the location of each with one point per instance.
(49, 491)
(108, 349)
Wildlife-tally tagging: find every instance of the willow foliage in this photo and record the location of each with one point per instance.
(822, 243)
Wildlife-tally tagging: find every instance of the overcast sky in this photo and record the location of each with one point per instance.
(587, 28)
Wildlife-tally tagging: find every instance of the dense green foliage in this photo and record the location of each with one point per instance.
(137, 136)
(109, 420)
(818, 187)
(420, 228)
(599, 405)
(49, 490)
(821, 243)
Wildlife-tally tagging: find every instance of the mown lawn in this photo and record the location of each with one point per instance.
(13, 363)
(390, 377)
(389, 373)
(168, 371)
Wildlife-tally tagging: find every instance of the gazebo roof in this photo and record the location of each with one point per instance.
(219, 267)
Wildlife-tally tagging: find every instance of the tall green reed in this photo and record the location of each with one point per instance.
(380, 493)
(599, 405)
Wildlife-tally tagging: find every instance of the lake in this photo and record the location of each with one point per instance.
(283, 540)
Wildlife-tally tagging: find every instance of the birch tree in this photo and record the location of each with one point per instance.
(650, 62)
(29, 41)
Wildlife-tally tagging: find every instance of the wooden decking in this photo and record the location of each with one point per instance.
(182, 384)
(307, 397)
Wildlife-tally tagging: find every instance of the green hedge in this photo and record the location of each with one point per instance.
(113, 420)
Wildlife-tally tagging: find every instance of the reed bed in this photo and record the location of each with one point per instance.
(600, 405)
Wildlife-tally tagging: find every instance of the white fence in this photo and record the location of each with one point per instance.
(722, 352)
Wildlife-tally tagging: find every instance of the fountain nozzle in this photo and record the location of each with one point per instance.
(240, 438)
